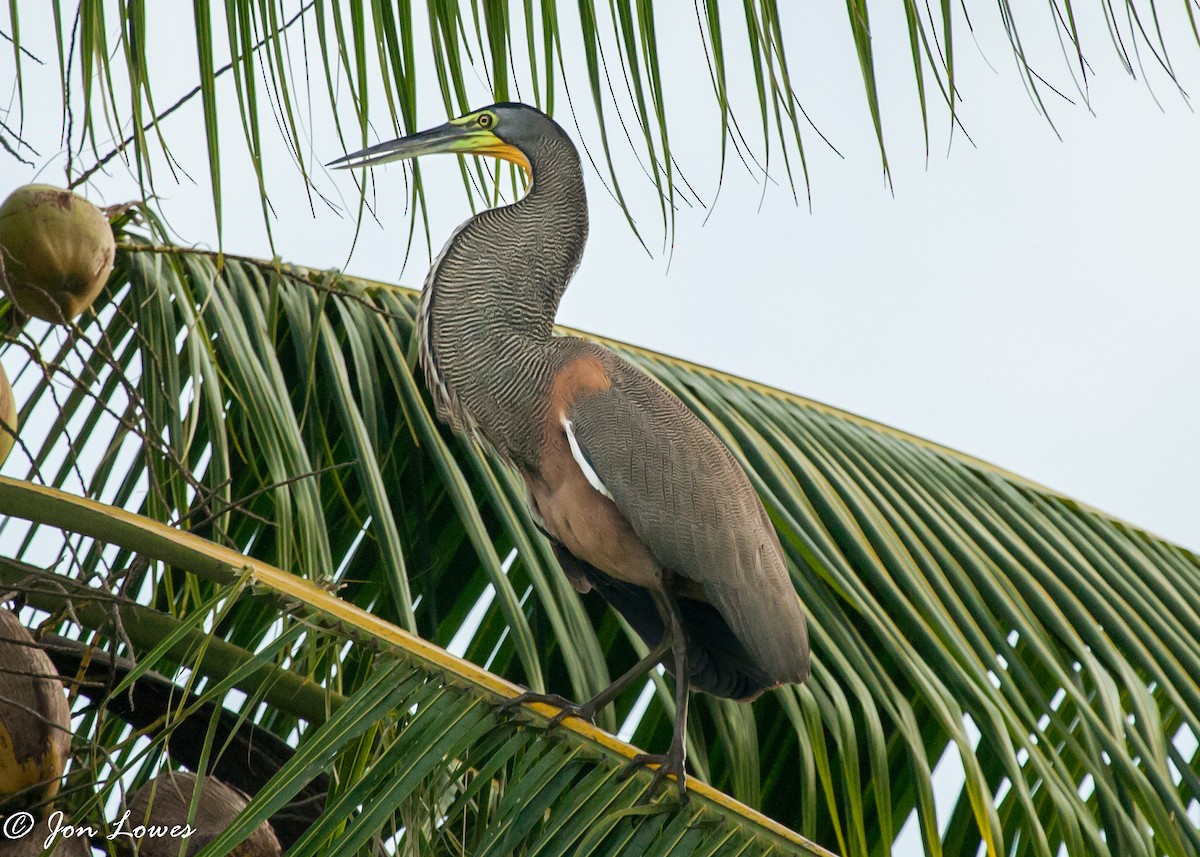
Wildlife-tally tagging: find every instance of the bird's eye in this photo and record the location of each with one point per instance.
(485, 120)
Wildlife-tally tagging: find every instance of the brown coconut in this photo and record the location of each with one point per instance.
(68, 840)
(57, 251)
(8, 417)
(165, 801)
(35, 721)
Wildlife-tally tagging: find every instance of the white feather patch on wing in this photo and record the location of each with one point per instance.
(592, 477)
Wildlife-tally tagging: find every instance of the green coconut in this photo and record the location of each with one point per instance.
(8, 417)
(35, 721)
(57, 251)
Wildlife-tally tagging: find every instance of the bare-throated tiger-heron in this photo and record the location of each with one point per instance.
(640, 500)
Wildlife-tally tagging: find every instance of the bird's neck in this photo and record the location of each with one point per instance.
(487, 313)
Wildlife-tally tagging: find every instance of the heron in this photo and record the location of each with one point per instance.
(641, 502)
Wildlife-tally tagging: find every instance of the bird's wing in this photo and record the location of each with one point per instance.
(692, 505)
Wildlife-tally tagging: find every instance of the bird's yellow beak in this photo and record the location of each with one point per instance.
(458, 137)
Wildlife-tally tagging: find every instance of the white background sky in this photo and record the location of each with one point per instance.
(1027, 299)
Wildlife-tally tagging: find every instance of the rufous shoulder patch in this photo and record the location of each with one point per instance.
(581, 375)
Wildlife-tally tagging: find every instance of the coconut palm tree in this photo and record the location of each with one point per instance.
(251, 551)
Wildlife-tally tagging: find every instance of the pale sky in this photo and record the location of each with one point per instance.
(1027, 299)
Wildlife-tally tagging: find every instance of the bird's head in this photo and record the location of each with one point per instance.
(505, 131)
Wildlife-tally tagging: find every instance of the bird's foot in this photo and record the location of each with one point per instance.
(670, 763)
(566, 707)
(585, 712)
(533, 696)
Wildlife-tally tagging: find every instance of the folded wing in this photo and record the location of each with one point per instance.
(693, 506)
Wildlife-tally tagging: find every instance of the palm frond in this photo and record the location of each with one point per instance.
(958, 611)
(451, 724)
(299, 68)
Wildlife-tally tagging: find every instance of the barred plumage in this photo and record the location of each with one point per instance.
(643, 504)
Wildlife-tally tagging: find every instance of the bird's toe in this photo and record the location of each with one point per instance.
(530, 696)
(670, 764)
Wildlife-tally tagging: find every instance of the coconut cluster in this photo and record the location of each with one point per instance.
(56, 252)
(35, 743)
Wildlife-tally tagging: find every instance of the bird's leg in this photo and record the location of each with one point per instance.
(587, 710)
(674, 760)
